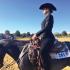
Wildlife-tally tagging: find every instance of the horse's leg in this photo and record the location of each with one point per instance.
(2, 54)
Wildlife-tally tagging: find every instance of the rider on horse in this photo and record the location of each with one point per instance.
(47, 37)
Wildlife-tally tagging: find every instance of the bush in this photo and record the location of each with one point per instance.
(17, 33)
(64, 33)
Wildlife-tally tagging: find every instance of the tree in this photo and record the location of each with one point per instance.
(17, 33)
(28, 34)
(64, 33)
(69, 34)
(24, 35)
(7, 32)
(57, 34)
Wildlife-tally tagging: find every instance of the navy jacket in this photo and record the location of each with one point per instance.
(46, 27)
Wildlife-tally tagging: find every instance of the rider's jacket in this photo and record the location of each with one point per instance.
(46, 28)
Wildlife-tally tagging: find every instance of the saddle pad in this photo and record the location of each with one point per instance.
(65, 53)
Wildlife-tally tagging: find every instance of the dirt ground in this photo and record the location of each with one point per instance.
(8, 60)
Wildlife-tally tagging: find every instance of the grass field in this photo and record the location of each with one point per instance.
(9, 59)
(60, 39)
(64, 39)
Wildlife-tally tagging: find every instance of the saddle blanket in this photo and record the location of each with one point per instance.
(64, 53)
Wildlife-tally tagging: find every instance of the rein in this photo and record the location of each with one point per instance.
(36, 55)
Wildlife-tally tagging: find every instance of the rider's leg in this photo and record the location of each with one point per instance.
(45, 49)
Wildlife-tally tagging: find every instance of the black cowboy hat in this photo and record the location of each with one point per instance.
(48, 5)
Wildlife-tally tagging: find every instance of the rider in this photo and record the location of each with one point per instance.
(47, 37)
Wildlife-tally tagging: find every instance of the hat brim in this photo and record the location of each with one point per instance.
(48, 5)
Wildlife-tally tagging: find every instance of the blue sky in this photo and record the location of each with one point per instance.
(25, 16)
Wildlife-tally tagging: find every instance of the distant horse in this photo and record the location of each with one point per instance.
(13, 48)
(55, 64)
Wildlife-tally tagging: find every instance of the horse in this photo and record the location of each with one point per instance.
(55, 63)
(13, 48)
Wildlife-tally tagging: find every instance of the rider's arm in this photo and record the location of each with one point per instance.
(48, 26)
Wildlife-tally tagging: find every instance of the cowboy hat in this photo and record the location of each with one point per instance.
(47, 5)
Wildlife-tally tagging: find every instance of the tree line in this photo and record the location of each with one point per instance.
(64, 33)
(28, 34)
(17, 34)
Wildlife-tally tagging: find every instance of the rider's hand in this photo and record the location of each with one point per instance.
(34, 37)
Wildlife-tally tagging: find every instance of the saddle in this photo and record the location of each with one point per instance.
(58, 46)
(60, 50)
